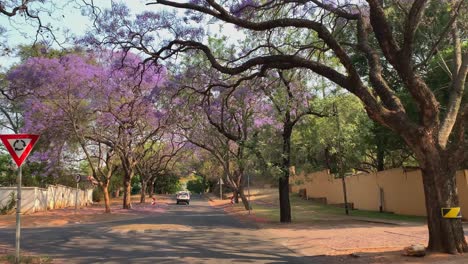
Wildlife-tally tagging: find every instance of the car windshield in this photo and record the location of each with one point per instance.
(183, 193)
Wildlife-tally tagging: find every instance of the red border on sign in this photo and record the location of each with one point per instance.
(27, 150)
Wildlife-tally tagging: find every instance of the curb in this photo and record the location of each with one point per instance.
(377, 221)
(385, 222)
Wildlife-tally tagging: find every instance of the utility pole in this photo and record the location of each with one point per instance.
(220, 188)
(77, 179)
(341, 171)
(248, 192)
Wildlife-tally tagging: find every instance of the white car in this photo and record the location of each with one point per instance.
(183, 196)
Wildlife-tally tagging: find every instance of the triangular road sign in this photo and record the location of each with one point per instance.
(19, 146)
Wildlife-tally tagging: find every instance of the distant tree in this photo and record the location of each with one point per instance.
(167, 183)
(291, 101)
(157, 161)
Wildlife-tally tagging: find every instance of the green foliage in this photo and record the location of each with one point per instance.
(318, 143)
(167, 183)
(98, 195)
(41, 50)
(136, 185)
(361, 144)
(32, 175)
(7, 173)
(10, 204)
(197, 185)
(136, 188)
(26, 259)
(116, 181)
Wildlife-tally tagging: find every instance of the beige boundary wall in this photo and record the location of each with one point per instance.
(35, 199)
(402, 190)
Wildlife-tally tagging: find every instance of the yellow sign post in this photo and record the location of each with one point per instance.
(452, 212)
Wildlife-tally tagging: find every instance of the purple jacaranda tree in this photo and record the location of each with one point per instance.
(231, 113)
(56, 96)
(128, 112)
(102, 102)
(227, 115)
(194, 126)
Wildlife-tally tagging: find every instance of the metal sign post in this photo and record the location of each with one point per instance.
(18, 215)
(76, 199)
(77, 178)
(220, 182)
(19, 146)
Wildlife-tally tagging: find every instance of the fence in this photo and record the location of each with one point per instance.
(36, 199)
(396, 190)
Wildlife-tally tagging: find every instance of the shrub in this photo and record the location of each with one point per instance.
(196, 186)
(98, 195)
(10, 205)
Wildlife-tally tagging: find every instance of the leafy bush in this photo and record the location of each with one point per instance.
(98, 195)
(10, 205)
(136, 188)
(196, 186)
(167, 183)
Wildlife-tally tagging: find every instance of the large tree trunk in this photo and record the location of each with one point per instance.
(128, 167)
(235, 193)
(244, 198)
(105, 190)
(283, 186)
(151, 189)
(127, 202)
(285, 206)
(440, 189)
(143, 191)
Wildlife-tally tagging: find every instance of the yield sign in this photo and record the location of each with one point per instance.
(19, 146)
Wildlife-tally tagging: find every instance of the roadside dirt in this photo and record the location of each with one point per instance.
(345, 240)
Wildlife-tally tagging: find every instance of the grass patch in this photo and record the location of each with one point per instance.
(307, 211)
(26, 259)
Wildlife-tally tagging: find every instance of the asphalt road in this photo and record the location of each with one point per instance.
(197, 233)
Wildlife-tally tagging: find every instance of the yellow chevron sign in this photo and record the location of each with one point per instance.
(452, 212)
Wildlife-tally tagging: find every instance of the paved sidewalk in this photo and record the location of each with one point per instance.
(344, 239)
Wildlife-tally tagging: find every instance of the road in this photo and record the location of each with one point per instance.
(195, 233)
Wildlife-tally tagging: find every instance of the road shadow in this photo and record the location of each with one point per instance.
(200, 245)
(210, 237)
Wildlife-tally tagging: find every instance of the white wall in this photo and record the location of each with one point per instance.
(36, 199)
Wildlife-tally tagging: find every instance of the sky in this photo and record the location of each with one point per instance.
(66, 15)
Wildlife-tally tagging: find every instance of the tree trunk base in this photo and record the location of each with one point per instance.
(285, 206)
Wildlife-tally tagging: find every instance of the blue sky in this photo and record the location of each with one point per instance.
(66, 15)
